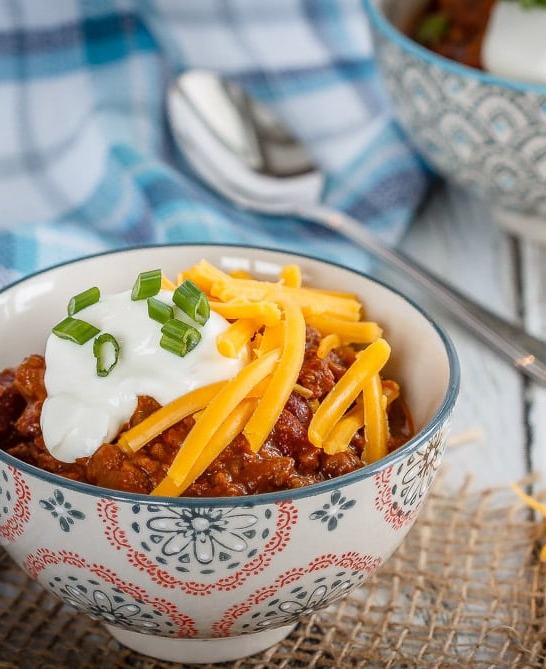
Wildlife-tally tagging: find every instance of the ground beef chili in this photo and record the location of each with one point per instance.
(459, 28)
(286, 460)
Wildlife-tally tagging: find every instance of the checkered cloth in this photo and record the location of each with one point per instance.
(86, 158)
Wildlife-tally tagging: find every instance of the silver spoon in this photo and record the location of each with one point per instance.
(237, 146)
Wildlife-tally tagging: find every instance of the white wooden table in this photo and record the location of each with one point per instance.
(499, 426)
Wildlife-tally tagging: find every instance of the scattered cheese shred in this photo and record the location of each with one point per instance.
(229, 429)
(268, 313)
(231, 341)
(283, 379)
(203, 274)
(327, 344)
(341, 434)
(304, 392)
(290, 275)
(391, 390)
(536, 506)
(240, 274)
(349, 332)
(375, 419)
(310, 301)
(139, 435)
(530, 501)
(217, 283)
(271, 338)
(367, 363)
(218, 409)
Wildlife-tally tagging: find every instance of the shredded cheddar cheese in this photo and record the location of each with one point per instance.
(229, 429)
(270, 318)
(375, 419)
(271, 338)
(290, 275)
(283, 379)
(536, 506)
(204, 274)
(303, 391)
(218, 409)
(225, 287)
(342, 433)
(306, 298)
(168, 415)
(328, 343)
(232, 341)
(267, 313)
(240, 274)
(391, 390)
(349, 332)
(367, 363)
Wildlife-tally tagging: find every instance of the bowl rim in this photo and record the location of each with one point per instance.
(379, 21)
(315, 489)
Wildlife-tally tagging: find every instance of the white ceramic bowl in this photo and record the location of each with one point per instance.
(204, 580)
(480, 131)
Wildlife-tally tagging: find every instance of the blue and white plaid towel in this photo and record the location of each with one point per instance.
(86, 161)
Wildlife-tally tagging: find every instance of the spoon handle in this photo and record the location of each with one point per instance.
(525, 352)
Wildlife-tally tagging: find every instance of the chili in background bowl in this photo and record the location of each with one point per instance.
(215, 579)
(483, 132)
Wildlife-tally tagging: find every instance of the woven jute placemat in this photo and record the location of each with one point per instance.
(465, 589)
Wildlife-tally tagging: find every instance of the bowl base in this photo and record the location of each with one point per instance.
(532, 228)
(200, 651)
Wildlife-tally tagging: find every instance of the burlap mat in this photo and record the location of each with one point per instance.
(464, 590)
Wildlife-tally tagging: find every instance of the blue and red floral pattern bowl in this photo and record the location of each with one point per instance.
(483, 132)
(205, 580)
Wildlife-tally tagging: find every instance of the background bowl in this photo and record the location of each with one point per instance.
(204, 580)
(483, 132)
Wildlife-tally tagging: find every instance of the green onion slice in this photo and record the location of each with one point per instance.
(106, 351)
(82, 300)
(75, 330)
(432, 29)
(146, 285)
(193, 301)
(179, 337)
(159, 311)
(527, 4)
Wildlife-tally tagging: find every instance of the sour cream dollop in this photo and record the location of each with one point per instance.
(514, 43)
(83, 410)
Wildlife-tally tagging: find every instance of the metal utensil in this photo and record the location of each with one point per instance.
(238, 147)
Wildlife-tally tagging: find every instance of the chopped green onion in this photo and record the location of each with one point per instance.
(432, 28)
(193, 301)
(159, 311)
(75, 330)
(82, 300)
(147, 285)
(527, 4)
(106, 351)
(179, 337)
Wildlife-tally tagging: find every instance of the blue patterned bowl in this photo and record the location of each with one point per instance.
(486, 133)
(205, 580)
